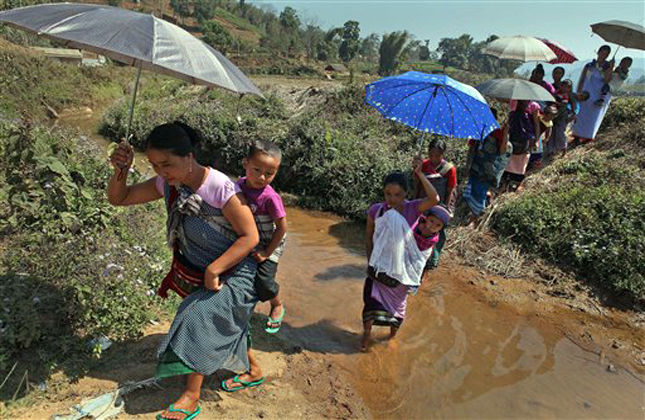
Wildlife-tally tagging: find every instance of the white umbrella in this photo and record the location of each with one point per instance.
(133, 38)
(518, 89)
(520, 47)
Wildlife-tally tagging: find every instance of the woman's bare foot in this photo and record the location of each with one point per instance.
(187, 402)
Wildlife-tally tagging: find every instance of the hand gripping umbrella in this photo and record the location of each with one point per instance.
(133, 38)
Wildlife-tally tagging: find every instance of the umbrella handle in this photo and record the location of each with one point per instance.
(615, 52)
(129, 127)
(420, 145)
(134, 97)
(238, 118)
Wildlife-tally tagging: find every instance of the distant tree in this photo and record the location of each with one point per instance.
(311, 37)
(369, 46)
(455, 52)
(424, 51)
(480, 62)
(203, 10)
(332, 41)
(182, 8)
(390, 50)
(276, 38)
(350, 44)
(325, 51)
(289, 19)
(411, 50)
(334, 35)
(217, 37)
(295, 45)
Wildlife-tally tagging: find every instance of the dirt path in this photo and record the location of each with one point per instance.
(298, 385)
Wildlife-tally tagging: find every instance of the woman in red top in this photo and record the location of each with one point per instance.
(443, 177)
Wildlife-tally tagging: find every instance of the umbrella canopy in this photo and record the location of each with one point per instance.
(520, 47)
(432, 103)
(515, 89)
(133, 38)
(625, 34)
(563, 55)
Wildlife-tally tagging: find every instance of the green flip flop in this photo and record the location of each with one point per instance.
(189, 415)
(273, 330)
(245, 385)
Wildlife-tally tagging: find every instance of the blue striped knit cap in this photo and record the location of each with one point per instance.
(441, 212)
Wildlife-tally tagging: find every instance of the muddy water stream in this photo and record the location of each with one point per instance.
(456, 356)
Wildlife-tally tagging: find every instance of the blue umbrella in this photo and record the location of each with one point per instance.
(432, 103)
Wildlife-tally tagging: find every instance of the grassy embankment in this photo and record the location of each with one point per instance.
(585, 212)
(72, 267)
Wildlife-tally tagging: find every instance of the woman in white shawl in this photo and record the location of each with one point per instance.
(396, 262)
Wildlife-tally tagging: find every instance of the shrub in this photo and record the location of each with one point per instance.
(624, 111)
(73, 267)
(593, 228)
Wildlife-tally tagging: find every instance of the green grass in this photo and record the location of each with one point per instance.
(29, 81)
(238, 21)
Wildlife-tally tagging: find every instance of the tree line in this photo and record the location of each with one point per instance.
(288, 34)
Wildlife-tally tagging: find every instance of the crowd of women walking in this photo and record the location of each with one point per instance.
(534, 131)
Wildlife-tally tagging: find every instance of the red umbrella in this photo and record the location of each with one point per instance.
(563, 54)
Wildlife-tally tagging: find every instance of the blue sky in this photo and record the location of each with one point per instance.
(565, 21)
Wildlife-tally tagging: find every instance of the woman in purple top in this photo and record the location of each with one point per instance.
(537, 76)
(212, 232)
(384, 304)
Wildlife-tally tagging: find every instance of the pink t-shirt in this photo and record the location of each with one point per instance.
(410, 210)
(265, 201)
(530, 108)
(216, 190)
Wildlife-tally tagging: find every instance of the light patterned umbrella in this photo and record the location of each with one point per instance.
(520, 47)
(133, 38)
